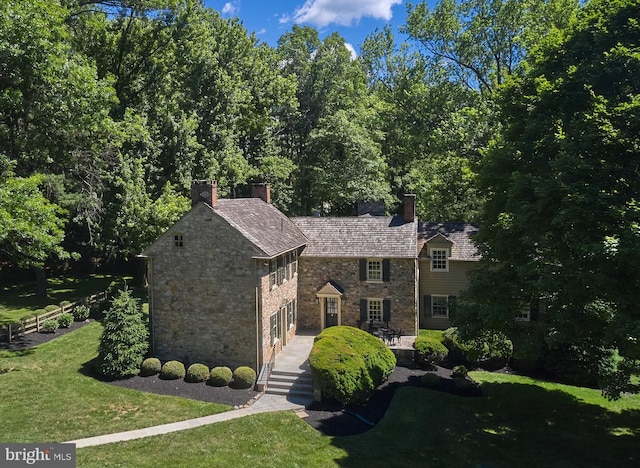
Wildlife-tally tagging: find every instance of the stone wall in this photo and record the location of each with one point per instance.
(272, 300)
(315, 272)
(203, 294)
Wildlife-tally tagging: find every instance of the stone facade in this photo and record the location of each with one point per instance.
(203, 293)
(401, 290)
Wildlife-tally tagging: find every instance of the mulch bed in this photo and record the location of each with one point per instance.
(328, 417)
(37, 338)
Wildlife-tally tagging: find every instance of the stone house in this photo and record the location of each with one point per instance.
(234, 279)
(446, 255)
(359, 271)
(223, 281)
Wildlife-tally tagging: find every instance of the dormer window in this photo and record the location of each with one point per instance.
(439, 259)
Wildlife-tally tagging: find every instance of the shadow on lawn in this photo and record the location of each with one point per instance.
(512, 425)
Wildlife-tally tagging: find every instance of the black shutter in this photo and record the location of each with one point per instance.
(533, 312)
(363, 310)
(427, 305)
(386, 310)
(386, 269)
(363, 269)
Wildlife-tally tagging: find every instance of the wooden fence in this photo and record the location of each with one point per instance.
(33, 324)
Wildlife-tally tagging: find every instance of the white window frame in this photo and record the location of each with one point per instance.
(524, 316)
(275, 327)
(376, 263)
(446, 306)
(439, 255)
(375, 306)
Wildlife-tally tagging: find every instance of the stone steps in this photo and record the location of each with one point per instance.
(290, 384)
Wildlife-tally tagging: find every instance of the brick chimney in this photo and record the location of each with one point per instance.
(206, 191)
(409, 207)
(262, 191)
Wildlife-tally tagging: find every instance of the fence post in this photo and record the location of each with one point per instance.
(9, 333)
(37, 323)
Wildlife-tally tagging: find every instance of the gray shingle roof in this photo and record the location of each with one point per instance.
(362, 236)
(460, 234)
(262, 224)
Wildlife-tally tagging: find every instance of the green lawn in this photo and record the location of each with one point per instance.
(519, 422)
(46, 395)
(20, 300)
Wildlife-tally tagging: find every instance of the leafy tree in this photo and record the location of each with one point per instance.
(31, 227)
(124, 340)
(561, 221)
(481, 42)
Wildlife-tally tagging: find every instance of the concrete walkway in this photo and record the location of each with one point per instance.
(293, 356)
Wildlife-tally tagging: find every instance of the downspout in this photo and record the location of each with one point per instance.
(258, 320)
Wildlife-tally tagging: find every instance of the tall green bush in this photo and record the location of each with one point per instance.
(124, 340)
(349, 364)
(429, 351)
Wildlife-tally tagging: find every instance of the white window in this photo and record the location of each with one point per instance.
(523, 316)
(275, 326)
(440, 306)
(439, 259)
(374, 310)
(178, 240)
(291, 313)
(374, 270)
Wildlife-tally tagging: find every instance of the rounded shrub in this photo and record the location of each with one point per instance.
(220, 377)
(197, 373)
(51, 307)
(65, 320)
(172, 370)
(39, 312)
(150, 366)
(349, 364)
(431, 380)
(490, 350)
(459, 372)
(65, 303)
(81, 313)
(50, 326)
(244, 377)
(429, 351)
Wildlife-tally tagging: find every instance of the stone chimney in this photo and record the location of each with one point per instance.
(206, 191)
(262, 191)
(409, 207)
(371, 207)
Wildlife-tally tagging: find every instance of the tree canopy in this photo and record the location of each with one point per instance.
(562, 222)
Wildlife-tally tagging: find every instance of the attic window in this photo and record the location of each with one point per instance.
(439, 259)
(178, 240)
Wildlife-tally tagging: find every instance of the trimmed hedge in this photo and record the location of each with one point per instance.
(173, 370)
(349, 364)
(51, 308)
(244, 377)
(220, 377)
(429, 351)
(150, 366)
(490, 350)
(197, 373)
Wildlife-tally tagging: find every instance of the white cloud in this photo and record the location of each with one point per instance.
(350, 48)
(230, 8)
(321, 13)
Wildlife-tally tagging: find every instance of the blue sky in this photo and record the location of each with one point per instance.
(352, 19)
